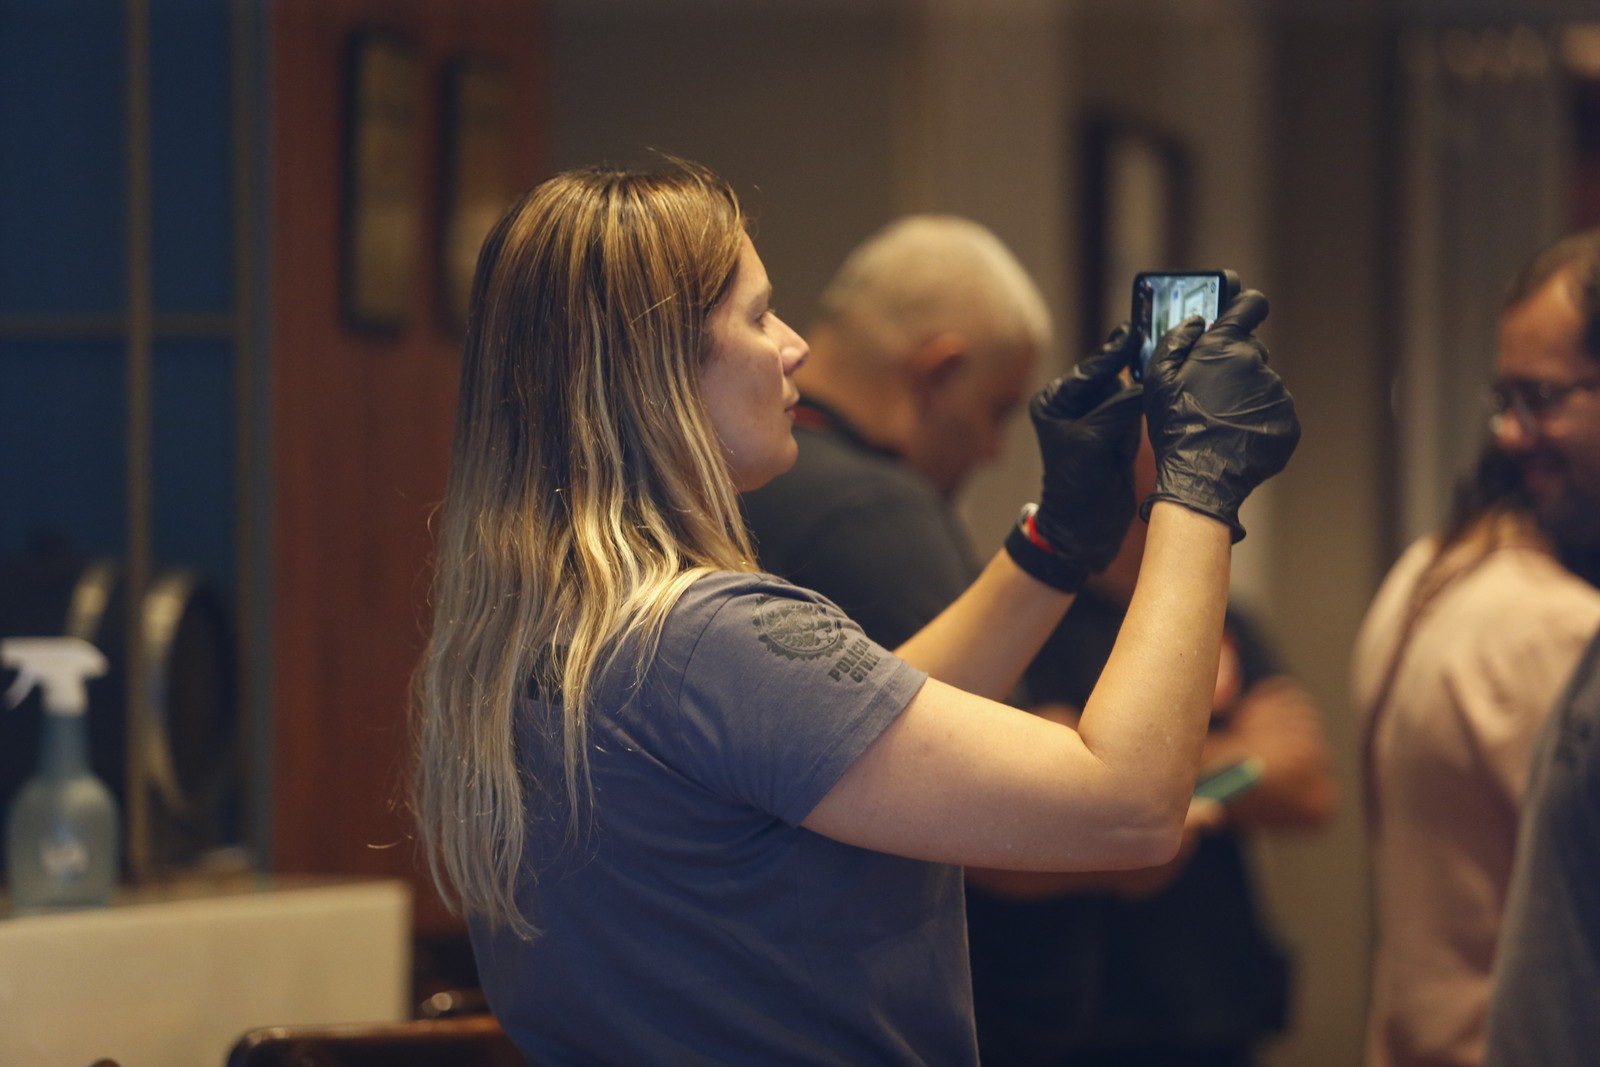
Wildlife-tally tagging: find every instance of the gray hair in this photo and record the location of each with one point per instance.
(923, 275)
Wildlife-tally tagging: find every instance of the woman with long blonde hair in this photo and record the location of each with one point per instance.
(692, 814)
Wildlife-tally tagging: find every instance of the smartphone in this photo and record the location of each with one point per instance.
(1230, 782)
(1161, 300)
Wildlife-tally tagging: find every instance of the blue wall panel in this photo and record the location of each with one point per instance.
(64, 442)
(191, 155)
(63, 252)
(193, 447)
(62, 148)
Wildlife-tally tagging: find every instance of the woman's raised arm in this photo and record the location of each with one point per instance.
(962, 779)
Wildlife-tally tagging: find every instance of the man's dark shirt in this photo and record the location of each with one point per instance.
(859, 526)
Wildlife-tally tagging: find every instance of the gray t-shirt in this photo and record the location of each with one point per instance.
(1545, 1009)
(697, 923)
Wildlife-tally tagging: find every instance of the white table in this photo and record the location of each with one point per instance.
(171, 977)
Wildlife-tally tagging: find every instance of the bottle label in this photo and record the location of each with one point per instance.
(64, 858)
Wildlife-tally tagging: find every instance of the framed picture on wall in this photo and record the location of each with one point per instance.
(477, 183)
(1136, 215)
(382, 181)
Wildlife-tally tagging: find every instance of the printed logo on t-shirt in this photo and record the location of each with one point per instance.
(797, 629)
(856, 663)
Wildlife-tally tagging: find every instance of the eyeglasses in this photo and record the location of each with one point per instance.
(1529, 402)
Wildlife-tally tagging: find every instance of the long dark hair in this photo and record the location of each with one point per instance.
(1494, 485)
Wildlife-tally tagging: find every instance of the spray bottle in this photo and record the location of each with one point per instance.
(61, 837)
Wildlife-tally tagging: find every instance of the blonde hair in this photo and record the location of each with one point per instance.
(587, 490)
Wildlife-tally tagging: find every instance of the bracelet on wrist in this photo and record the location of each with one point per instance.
(1038, 558)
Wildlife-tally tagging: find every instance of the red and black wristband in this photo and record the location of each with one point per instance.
(1038, 557)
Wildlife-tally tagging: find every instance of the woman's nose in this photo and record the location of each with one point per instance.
(794, 350)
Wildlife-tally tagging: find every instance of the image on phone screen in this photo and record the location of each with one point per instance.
(1161, 301)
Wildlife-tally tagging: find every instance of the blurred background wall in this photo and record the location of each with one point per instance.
(188, 384)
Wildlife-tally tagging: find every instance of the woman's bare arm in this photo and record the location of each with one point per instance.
(987, 637)
(959, 778)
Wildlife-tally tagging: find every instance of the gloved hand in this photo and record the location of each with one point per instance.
(1220, 420)
(1087, 422)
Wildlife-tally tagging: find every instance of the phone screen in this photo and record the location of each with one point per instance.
(1161, 301)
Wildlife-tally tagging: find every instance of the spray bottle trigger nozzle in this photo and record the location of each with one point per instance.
(19, 689)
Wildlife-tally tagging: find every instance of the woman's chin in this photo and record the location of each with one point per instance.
(754, 479)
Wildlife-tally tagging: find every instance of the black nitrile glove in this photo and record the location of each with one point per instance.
(1087, 422)
(1221, 422)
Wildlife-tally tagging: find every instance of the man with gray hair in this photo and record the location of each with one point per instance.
(926, 340)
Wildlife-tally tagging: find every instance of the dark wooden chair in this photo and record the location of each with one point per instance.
(460, 1041)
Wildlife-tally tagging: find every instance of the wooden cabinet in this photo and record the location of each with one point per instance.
(361, 428)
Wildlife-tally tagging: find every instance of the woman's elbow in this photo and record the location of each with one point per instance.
(1149, 834)
(1158, 848)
